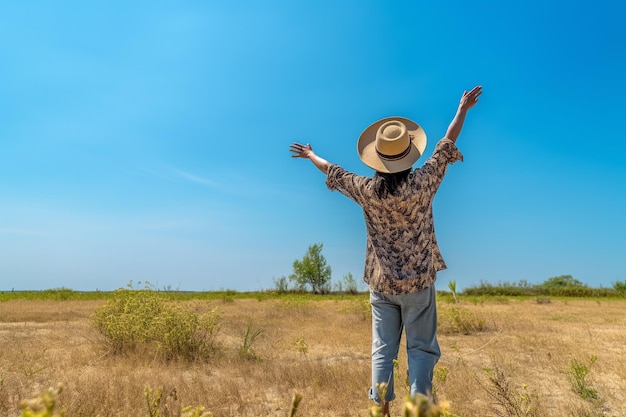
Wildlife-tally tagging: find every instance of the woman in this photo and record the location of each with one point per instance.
(402, 255)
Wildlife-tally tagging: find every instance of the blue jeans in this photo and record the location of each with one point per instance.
(416, 313)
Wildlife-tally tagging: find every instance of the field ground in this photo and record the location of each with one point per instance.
(524, 353)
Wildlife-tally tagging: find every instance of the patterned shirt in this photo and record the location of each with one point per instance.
(402, 255)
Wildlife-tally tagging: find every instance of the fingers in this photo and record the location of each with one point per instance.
(296, 147)
(476, 91)
(299, 149)
(299, 146)
(471, 98)
(473, 93)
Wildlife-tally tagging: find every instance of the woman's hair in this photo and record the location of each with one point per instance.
(388, 183)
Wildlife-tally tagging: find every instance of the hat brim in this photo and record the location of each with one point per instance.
(366, 147)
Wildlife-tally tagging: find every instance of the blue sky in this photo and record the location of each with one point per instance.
(149, 140)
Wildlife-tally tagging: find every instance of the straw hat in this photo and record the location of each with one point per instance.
(392, 144)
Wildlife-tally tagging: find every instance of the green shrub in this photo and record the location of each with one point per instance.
(560, 286)
(145, 319)
(521, 288)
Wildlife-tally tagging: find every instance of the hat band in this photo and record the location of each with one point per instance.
(394, 157)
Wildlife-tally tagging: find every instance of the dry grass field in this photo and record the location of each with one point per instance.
(501, 357)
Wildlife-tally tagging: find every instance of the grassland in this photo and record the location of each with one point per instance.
(502, 356)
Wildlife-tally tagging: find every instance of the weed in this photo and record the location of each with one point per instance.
(421, 406)
(159, 408)
(153, 400)
(441, 373)
(250, 335)
(295, 402)
(413, 406)
(44, 405)
(578, 373)
(440, 376)
(376, 411)
(510, 401)
(302, 346)
(452, 287)
(396, 372)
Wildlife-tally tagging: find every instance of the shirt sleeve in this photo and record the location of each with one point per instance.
(445, 153)
(351, 185)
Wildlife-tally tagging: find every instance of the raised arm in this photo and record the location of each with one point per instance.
(468, 100)
(305, 151)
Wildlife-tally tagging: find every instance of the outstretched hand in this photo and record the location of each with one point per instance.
(469, 99)
(306, 151)
(300, 151)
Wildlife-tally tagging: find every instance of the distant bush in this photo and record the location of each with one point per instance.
(565, 285)
(620, 287)
(56, 294)
(559, 286)
(562, 281)
(145, 319)
(61, 293)
(504, 289)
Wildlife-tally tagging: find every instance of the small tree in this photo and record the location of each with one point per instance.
(281, 285)
(312, 270)
(349, 284)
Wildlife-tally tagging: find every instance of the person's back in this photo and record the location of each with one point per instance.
(402, 255)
